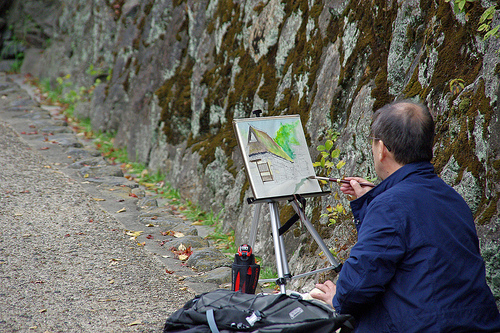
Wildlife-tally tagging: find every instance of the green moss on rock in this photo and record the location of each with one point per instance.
(175, 100)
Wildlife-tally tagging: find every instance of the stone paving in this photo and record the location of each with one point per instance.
(82, 247)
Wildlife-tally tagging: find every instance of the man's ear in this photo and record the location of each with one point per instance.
(383, 151)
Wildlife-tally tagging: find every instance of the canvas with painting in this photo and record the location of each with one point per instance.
(276, 156)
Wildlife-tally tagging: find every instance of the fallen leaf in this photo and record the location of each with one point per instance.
(176, 234)
(182, 253)
(133, 234)
(149, 236)
(150, 225)
(86, 175)
(197, 223)
(42, 310)
(169, 272)
(122, 210)
(133, 195)
(44, 148)
(137, 322)
(99, 199)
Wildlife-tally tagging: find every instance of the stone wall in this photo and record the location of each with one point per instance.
(182, 70)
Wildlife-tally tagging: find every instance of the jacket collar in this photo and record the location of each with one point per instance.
(359, 205)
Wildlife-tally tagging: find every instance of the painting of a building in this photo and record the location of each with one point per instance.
(276, 156)
(266, 153)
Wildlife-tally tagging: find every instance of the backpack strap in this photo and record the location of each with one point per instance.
(211, 321)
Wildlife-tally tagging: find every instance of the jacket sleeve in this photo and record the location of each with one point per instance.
(373, 260)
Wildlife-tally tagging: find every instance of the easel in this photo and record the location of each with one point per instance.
(279, 246)
(272, 201)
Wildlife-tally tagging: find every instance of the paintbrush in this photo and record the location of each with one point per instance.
(338, 180)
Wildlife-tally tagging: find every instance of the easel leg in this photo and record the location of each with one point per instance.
(281, 262)
(284, 260)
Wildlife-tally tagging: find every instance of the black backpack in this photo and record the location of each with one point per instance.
(231, 311)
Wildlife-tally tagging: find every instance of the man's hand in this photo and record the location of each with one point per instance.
(353, 188)
(328, 291)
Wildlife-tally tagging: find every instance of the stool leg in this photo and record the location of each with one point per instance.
(278, 246)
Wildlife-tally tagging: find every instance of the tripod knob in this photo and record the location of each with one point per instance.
(257, 112)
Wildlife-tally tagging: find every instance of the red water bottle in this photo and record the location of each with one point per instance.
(244, 271)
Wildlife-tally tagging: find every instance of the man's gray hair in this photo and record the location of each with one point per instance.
(407, 128)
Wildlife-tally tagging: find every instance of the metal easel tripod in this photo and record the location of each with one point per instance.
(279, 246)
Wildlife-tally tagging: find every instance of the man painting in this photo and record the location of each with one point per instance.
(416, 266)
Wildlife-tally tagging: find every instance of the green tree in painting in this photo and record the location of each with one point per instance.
(285, 137)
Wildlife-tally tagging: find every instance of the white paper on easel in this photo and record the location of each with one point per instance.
(276, 156)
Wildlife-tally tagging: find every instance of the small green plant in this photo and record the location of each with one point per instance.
(266, 273)
(99, 72)
(104, 142)
(456, 86)
(18, 62)
(13, 48)
(330, 160)
(485, 23)
(459, 5)
(54, 93)
(329, 155)
(222, 240)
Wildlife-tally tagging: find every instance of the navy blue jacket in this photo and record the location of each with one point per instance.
(416, 266)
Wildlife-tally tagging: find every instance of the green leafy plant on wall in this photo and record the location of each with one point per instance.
(99, 72)
(485, 23)
(456, 86)
(459, 5)
(13, 48)
(485, 26)
(330, 160)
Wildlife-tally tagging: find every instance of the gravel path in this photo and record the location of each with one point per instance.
(65, 264)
